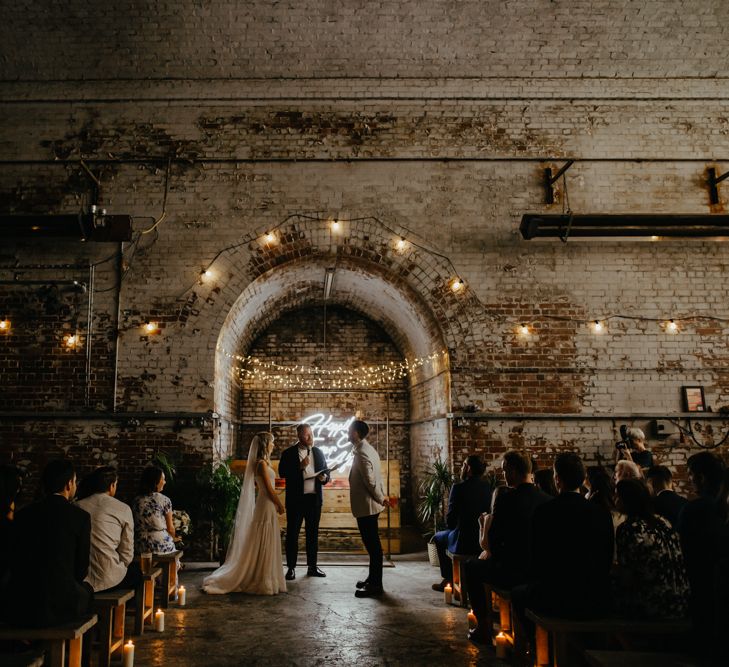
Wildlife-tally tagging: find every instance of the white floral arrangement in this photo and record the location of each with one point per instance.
(182, 523)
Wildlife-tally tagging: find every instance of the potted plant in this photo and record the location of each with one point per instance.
(434, 491)
(219, 490)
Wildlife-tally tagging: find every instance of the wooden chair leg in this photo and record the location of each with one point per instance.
(57, 652)
(488, 630)
(104, 637)
(139, 609)
(118, 626)
(505, 615)
(74, 652)
(542, 647)
(149, 601)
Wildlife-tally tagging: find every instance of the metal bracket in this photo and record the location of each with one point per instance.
(550, 180)
(714, 181)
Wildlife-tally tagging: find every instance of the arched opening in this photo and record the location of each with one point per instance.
(373, 299)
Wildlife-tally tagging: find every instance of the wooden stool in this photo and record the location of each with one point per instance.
(169, 565)
(144, 600)
(111, 609)
(460, 590)
(59, 639)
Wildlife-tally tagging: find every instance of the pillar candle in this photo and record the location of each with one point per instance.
(502, 645)
(128, 658)
(159, 621)
(181, 596)
(448, 593)
(472, 622)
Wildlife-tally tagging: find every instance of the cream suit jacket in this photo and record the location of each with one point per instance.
(366, 491)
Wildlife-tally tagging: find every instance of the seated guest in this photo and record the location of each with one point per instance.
(468, 499)
(600, 487)
(651, 578)
(112, 534)
(721, 578)
(666, 502)
(636, 450)
(508, 538)
(700, 526)
(154, 530)
(50, 555)
(544, 480)
(10, 483)
(571, 549)
(627, 470)
(484, 524)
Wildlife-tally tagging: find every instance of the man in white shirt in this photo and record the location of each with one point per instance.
(367, 498)
(112, 534)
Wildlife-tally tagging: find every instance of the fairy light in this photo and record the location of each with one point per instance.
(598, 326)
(524, 329)
(4, 326)
(269, 237)
(671, 326)
(151, 327)
(335, 225)
(400, 244)
(456, 284)
(206, 274)
(71, 340)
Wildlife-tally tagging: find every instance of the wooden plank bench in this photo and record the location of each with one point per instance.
(144, 600)
(552, 634)
(460, 590)
(111, 610)
(169, 565)
(59, 639)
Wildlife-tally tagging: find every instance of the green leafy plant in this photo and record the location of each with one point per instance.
(219, 490)
(434, 491)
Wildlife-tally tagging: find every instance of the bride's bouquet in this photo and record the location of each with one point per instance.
(182, 523)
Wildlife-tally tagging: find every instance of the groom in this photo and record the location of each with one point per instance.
(303, 498)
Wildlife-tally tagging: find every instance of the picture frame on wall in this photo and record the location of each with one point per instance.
(693, 399)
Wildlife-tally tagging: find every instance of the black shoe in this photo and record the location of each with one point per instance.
(369, 591)
(363, 584)
(441, 586)
(475, 635)
(290, 574)
(315, 572)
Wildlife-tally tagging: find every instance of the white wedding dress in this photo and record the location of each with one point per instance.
(253, 563)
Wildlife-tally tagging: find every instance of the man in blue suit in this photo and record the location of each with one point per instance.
(469, 498)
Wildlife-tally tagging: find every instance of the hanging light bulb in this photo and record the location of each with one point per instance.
(71, 340)
(597, 326)
(4, 325)
(671, 326)
(457, 284)
(269, 237)
(400, 244)
(151, 327)
(336, 225)
(524, 329)
(206, 274)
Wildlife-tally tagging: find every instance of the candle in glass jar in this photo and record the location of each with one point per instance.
(502, 645)
(159, 621)
(448, 593)
(128, 657)
(181, 596)
(472, 622)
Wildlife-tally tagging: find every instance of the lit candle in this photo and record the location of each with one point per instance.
(502, 645)
(181, 596)
(128, 659)
(159, 621)
(448, 593)
(472, 622)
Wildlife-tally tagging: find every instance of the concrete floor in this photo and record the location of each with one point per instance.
(318, 622)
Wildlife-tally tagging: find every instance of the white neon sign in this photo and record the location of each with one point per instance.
(332, 437)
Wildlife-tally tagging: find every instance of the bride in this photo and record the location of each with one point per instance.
(253, 562)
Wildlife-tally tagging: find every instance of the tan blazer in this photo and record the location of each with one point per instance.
(366, 491)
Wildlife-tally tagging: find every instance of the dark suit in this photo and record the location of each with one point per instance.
(669, 505)
(301, 507)
(508, 538)
(467, 501)
(571, 555)
(49, 560)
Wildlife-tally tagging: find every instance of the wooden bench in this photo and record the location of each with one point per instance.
(169, 565)
(552, 634)
(144, 600)
(111, 609)
(59, 639)
(460, 590)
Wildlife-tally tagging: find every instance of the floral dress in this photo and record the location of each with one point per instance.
(150, 525)
(650, 554)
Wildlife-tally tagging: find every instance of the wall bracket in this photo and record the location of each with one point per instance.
(713, 181)
(550, 180)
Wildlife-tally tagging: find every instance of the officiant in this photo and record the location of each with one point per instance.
(298, 466)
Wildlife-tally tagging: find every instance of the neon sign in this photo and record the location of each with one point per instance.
(332, 437)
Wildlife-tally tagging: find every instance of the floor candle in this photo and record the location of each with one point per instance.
(502, 645)
(472, 622)
(128, 658)
(181, 596)
(159, 621)
(448, 593)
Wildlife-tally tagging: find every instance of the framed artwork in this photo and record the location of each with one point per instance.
(693, 399)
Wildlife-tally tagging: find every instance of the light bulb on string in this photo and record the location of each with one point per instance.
(151, 327)
(269, 237)
(335, 225)
(598, 326)
(524, 329)
(456, 284)
(400, 244)
(4, 325)
(671, 326)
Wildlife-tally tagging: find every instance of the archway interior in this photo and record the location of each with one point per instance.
(357, 288)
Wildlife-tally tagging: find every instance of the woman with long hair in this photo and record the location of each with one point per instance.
(253, 562)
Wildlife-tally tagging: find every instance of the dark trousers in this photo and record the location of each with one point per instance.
(132, 578)
(308, 510)
(441, 545)
(371, 537)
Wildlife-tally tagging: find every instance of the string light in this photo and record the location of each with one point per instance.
(335, 225)
(4, 326)
(71, 340)
(400, 244)
(456, 284)
(671, 326)
(151, 327)
(269, 237)
(597, 326)
(524, 329)
(206, 274)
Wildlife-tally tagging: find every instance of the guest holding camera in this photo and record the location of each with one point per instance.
(632, 447)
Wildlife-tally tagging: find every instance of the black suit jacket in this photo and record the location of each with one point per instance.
(468, 500)
(289, 468)
(669, 505)
(49, 560)
(571, 555)
(509, 535)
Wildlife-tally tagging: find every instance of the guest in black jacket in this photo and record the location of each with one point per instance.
(468, 499)
(666, 502)
(50, 555)
(571, 549)
(508, 538)
(10, 482)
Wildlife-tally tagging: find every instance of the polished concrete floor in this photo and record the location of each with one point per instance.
(318, 622)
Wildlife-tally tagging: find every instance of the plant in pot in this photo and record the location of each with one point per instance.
(219, 490)
(434, 491)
